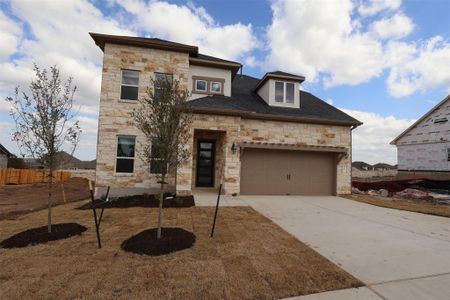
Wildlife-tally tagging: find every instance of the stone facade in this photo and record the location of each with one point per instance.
(239, 130)
(115, 114)
(115, 119)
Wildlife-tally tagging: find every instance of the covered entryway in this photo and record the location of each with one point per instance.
(266, 171)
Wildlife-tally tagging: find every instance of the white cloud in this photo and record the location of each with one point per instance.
(427, 67)
(191, 25)
(327, 42)
(395, 27)
(10, 34)
(322, 39)
(61, 39)
(371, 140)
(372, 7)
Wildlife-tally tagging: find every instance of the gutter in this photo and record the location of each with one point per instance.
(259, 116)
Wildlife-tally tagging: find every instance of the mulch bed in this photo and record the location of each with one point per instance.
(142, 201)
(41, 235)
(172, 239)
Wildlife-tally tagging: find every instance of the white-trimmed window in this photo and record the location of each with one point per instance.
(160, 79)
(129, 88)
(157, 165)
(125, 153)
(284, 92)
(201, 85)
(216, 87)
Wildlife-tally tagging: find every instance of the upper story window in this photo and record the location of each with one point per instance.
(130, 85)
(160, 79)
(207, 85)
(201, 85)
(216, 87)
(284, 92)
(125, 154)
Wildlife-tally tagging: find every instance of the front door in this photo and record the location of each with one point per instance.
(205, 163)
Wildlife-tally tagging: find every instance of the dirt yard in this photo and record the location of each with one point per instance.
(414, 206)
(249, 258)
(16, 200)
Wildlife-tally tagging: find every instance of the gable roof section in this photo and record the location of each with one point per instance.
(4, 151)
(155, 43)
(215, 62)
(394, 142)
(246, 103)
(278, 75)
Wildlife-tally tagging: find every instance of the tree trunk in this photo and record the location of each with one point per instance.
(161, 199)
(50, 186)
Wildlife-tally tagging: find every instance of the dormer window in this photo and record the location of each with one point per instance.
(284, 92)
(216, 87)
(207, 85)
(201, 85)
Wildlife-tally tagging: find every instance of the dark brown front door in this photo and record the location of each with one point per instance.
(205, 163)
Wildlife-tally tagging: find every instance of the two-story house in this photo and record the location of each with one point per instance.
(423, 149)
(256, 136)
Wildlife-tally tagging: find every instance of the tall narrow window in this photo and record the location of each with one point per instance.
(157, 165)
(125, 154)
(130, 85)
(448, 154)
(290, 92)
(279, 91)
(160, 79)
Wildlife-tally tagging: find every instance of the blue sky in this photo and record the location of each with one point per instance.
(385, 62)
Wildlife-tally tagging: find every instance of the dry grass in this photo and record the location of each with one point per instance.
(416, 206)
(249, 258)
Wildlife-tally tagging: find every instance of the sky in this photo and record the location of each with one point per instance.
(384, 62)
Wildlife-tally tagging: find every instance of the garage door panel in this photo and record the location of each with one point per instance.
(281, 172)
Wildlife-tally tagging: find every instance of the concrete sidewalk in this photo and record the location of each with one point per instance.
(398, 254)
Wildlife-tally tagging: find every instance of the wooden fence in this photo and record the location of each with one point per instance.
(27, 176)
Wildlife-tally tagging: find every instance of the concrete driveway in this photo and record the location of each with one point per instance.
(398, 254)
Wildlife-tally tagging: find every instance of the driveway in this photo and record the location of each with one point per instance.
(398, 254)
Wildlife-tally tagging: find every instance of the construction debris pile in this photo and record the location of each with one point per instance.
(437, 191)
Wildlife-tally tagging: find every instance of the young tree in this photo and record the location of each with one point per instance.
(44, 122)
(164, 118)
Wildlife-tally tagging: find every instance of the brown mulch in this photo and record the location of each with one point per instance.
(17, 200)
(409, 205)
(41, 235)
(249, 258)
(171, 240)
(141, 201)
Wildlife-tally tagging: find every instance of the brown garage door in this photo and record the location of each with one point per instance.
(284, 172)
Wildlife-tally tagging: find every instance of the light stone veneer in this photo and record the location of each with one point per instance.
(249, 130)
(115, 119)
(115, 115)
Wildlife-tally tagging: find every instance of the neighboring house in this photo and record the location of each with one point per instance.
(364, 170)
(4, 155)
(256, 136)
(424, 148)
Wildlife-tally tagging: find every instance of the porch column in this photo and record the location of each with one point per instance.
(183, 179)
(232, 166)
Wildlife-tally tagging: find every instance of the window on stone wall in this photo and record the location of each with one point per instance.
(157, 165)
(125, 154)
(448, 154)
(130, 85)
(160, 79)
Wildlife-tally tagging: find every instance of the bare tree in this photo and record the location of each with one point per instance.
(164, 118)
(44, 121)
